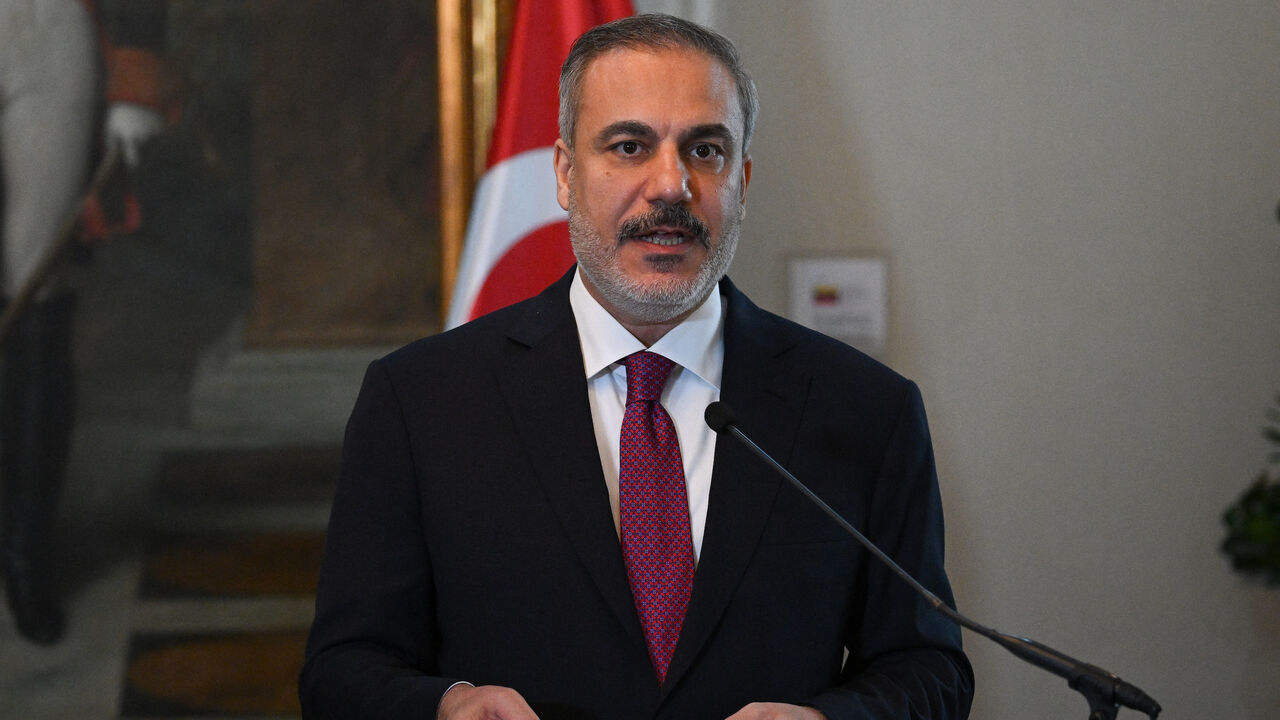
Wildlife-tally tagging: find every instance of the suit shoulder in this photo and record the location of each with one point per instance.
(471, 346)
(822, 354)
(837, 354)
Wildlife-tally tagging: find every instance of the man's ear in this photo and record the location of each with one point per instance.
(746, 180)
(564, 166)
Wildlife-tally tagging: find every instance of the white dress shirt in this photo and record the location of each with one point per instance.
(697, 347)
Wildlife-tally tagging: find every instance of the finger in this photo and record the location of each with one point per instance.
(486, 702)
(776, 711)
(512, 706)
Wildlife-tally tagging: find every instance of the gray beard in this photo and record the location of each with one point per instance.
(643, 302)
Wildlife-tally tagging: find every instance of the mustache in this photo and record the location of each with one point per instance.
(669, 216)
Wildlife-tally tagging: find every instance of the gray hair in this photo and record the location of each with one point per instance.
(655, 32)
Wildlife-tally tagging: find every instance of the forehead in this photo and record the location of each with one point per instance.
(659, 87)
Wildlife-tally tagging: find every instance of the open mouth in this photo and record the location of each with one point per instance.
(663, 237)
(665, 227)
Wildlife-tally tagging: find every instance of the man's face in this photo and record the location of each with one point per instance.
(656, 182)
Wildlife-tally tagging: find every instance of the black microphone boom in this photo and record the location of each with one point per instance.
(1104, 691)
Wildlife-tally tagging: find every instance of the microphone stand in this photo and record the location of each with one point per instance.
(1104, 691)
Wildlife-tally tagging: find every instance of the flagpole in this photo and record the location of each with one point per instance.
(455, 139)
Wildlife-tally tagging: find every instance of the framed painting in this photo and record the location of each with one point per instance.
(325, 157)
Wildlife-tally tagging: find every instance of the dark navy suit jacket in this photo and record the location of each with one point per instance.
(471, 538)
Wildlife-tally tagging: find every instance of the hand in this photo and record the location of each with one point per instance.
(486, 702)
(776, 711)
(128, 126)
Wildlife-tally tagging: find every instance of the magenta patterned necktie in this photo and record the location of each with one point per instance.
(654, 509)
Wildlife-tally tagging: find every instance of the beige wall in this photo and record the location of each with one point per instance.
(1078, 201)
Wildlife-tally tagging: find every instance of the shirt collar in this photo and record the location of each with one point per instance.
(696, 344)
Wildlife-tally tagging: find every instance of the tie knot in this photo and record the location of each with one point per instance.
(646, 374)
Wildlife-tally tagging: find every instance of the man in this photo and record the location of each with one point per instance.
(501, 525)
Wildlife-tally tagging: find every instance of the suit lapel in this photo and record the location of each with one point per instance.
(545, 388)
(767, 392)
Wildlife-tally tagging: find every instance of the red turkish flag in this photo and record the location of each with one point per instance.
(518, 236)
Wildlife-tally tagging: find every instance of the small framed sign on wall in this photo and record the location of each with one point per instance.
(844, 297)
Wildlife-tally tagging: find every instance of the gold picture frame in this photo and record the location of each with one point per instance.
(473, 35)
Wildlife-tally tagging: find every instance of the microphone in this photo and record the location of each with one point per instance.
(1103, 690)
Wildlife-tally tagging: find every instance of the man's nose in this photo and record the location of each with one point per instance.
(669, 182)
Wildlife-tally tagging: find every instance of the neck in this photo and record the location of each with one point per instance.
(650, 333)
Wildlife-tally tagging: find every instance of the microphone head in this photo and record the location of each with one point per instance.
(719, 416)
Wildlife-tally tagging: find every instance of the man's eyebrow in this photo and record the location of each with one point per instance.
(633, 128)
(637, 129)
(712, 130)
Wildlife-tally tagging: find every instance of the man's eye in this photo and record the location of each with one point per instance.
(629, 147)
(705, 151)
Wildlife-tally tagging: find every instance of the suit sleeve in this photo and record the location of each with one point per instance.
(373, 645)
(905, 660)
